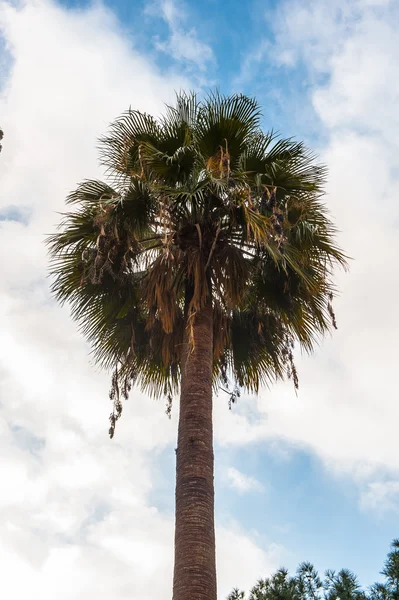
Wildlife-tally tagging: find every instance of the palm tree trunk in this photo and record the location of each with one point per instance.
(195, 562)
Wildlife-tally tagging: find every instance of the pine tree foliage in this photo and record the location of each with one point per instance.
(306, 584)
(389, 590)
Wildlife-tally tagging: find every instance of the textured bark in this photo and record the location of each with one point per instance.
(195, 562)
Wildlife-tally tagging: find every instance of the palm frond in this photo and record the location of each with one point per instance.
(200, 201)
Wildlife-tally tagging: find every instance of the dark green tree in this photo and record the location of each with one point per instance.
(197, 266)
(391, 570)
(279, 586)
(309, 584)
(305, 585)
(379, 591)
(389, 590)
(236, 595)
(343, 585)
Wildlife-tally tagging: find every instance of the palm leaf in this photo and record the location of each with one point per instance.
(200, 201)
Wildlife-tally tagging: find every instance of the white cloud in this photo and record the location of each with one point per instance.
(241, 482)
(247, 563)
(76, 518)
(347, 409)
(381, 496)
(183, 44)
(316, 32)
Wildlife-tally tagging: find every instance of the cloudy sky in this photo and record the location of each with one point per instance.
(313, 477)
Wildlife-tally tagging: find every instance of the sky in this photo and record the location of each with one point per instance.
(310, 477)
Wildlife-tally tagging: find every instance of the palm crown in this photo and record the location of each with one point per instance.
(200, 203)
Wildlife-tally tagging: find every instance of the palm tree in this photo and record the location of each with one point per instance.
(196, 268)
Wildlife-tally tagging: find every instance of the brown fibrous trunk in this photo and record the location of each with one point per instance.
(195, 562)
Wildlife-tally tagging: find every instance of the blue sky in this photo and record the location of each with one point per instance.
(313, 477)
(234, 34)
(314, 516)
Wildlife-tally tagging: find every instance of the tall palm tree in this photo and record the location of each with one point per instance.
(197, 267)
